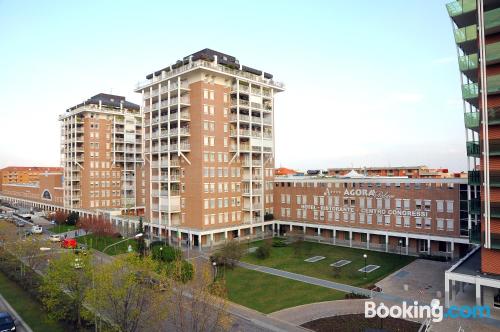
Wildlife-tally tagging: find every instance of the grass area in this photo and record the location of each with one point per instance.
(30, 310)
(101, 242)
(57, 229)
(267, 293)
(284, 258)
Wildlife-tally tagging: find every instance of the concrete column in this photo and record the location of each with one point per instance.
(428, 246)
(367, 240)
(446, 292)
(291, 228)
(334, 236)
(453, 290)
(199, 242)
(225, 235)
(304, 229)
(278, 229)
(452, 247)
(478, 294)
(262, 231)
(407, 241)
(350, 238)
(239, 234)
(211, 239)
(386, 243)
(319, 234)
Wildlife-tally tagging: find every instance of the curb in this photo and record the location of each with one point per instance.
(15, 314)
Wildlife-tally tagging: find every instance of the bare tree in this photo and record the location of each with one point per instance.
(200, 305)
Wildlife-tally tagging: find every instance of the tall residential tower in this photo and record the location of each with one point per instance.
(101, 147)
(476, 25)
(209, 146)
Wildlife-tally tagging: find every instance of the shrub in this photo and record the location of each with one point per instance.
(279, 242)
(229, 254)
(166, 253)
(72, 219)
(268, 216)
(180, 270)
(263, 252)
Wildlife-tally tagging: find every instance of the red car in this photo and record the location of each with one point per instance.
(69, 243)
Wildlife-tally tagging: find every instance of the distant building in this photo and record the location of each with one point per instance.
(282, 171)
(412, 172)
(22, 174)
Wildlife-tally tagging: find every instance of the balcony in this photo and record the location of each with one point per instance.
(242, 88)
(493, 53)
(164, 164)
(242, 117)
(242, 132)
(475, 234)
(474, 178)
(466, 38)
(473, 149)
(492, 21)
(461, 7)
(470, 91)
(243, 103)
(175, 116)
(159, 193)
(165, 208)
(475, 206)
(493, 83)
(468, 65)
(494, 147)
(472, 120)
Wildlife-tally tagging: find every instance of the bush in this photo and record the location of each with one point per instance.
(72, 219)
(279, 242)
(268, 217)
(228, 255)
(263, 252)
(180, 270)
(166, 253)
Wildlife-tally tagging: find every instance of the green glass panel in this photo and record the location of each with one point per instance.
(493, 52)
(461, 6)
(465, 34)
(493, 84)
(470, 91)
(471, 119)
(492, 19)
(468, 62)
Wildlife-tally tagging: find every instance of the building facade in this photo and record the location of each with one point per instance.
(101, 151)
(415, 216)
(414, 172)
(209, 145)
(21, 174)
(476, 25)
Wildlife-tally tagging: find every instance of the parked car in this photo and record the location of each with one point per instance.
(20, 223)
(69, 243)
(7, 323)
(36, 229)
(55, 238)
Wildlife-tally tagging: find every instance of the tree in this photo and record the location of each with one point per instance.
(199, 305)
(263, 251)
(60, 217)
(297, 242)
(72, 219)
(129, 293)
(67, 280)
(141, 244)
(336, 271)
(230, 253)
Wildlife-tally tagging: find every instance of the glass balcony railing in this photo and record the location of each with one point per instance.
(492, 19)
(474, 206)
(474, 178)
(494, 147)
(493, 53)
(475, 234)
(495, 241)
(495, 210)
(472, 120)
(468, 62)
(493, 83)
(459, 7)
(465, 34)
(473, 149)
(494, 116)
(470, 91)
(494, 178)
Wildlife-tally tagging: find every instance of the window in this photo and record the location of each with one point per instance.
(353, 217)
(440, 224)
(418, 222)
(398, 203)
(361, 202)
(439, 206)
(427, 205)
(428, 222)
(361, 218)
(299, 199)
(337, 216)
(368, 203)
(418, 204)
(406, 203)
(449, 206)
(387, 220)
(449, 224)
(379, 219)
(398, 221)
(406, 221)
(369, 219)
(315, 216)
(336, 201)
(387, 203)
(205, 94)
(346, 217)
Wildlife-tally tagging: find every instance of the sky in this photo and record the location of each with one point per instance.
(368, 83)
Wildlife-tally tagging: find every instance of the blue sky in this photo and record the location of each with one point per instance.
(369, 83)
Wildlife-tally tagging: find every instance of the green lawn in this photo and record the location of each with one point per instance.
(57, 229)
(267, 293)
(101, 242)
(284, 258)
(30, 310)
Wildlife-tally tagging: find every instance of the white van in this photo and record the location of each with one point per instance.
(36, 229)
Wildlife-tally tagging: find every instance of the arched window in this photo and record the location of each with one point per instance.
(46, 195)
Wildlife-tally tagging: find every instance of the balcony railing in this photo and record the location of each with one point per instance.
(470, 91)
(465, 34)
(459, 7)
(475, 234)
(473, 149)
(474, 178)
(468, 62)
(472, 120)
(493, 53)
(475, 206)
(494, 147)
(492, 19)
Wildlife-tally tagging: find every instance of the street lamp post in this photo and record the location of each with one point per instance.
(161, 254)
(129, 238)
(365, 256)
(214, 264)
(400, 247)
